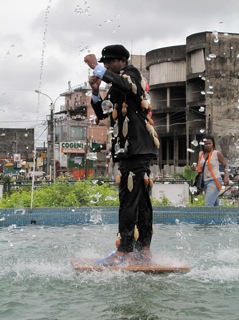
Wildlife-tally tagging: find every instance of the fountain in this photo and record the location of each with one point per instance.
(38, 281)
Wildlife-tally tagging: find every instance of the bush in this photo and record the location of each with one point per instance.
(95, 192)
(63, 194)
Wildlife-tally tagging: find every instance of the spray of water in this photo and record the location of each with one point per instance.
(47, 12)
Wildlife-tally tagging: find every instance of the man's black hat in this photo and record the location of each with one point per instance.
(115, 51)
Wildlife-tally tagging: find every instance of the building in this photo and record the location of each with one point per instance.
(80, 144)
(16, 149)
(194, 90)
(139, 61)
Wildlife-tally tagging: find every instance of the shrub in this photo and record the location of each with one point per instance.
(63, 194)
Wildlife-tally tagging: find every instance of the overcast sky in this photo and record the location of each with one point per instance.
(43, 43)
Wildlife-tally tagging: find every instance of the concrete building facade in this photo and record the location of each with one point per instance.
(194, 90)
(80, 144)
(16, 149)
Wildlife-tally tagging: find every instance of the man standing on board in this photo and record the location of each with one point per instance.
(134, 145)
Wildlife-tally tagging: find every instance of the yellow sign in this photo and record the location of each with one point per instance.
(43, 155)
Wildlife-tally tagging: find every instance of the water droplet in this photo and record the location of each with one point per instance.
(212, 55)
(107, 106)
(110, 131)
(215, 33)
(195, 143)
(108, 21)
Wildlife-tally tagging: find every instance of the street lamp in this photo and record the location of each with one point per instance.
(51, 152)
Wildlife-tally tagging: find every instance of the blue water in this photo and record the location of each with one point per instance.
(37, 280)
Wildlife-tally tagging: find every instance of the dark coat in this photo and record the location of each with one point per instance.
(126, 88)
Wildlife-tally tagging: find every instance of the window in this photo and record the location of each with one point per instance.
(78, 132)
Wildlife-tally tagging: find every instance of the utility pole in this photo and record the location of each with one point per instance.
(187, 133)
(51, 145)
(51, 161)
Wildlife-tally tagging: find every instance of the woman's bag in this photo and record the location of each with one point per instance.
(199, 182)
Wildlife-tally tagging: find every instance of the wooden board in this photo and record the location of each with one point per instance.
(81, 264)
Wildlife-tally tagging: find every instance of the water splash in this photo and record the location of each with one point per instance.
(96, 216)
(215, 34)
(194, 143)
(47, 11)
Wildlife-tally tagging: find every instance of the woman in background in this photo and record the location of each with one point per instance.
(211, 174)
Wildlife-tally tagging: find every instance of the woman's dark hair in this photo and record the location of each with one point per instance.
(208, 137)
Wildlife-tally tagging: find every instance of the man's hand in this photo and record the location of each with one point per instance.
(95, 84)
(91, 60)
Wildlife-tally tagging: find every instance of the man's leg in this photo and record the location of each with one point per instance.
(145, 216)
(128, 211)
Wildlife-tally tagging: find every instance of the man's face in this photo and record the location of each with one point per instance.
(114, 65)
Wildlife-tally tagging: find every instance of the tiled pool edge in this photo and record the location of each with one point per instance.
(87, 215)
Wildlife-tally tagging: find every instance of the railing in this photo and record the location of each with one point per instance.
(230, 192)
(9, 186)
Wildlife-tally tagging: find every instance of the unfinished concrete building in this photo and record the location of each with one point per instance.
(194, 90)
